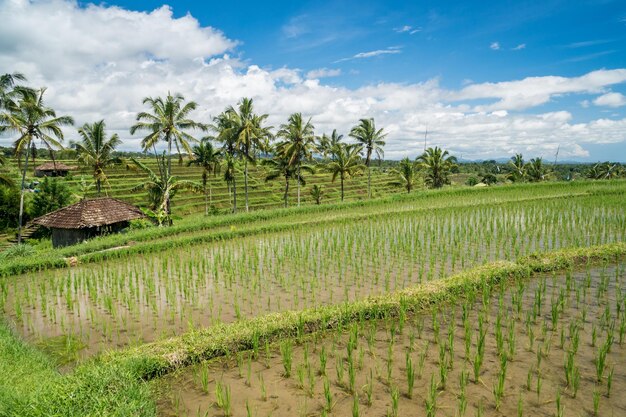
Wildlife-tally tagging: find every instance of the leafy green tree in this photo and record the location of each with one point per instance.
(488, 178)
(10, 91)
(327, 144)
(372, 140)
(53, 194)
(298, 144)
(5, 179)
(406, 175)
(167, 120)
(250, 135)
(280, 167)
(161, 189)
(604, 171)
(96, 151)
(346, 163)
(437, 165)
(226, 132)
(317, 192)
(9, 207)
(536, 171)
(518, 168)
(31, 120)
(209, 159)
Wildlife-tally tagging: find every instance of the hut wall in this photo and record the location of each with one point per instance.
(66, 237)
(58, 173)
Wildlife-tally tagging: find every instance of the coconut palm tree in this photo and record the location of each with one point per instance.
(437, 165)
(279, 168)
(96, 151)
(406, 175)
(10, 91)
(225, 128)
(317, 192)
(298, 144)
(518, 168)
(327, 144)
(209, 158)
(250, 135)
(168, 121)
(162, 189)
(604, 171)
(31, 120)
(346, 163)
(535, 170)
(372, 140)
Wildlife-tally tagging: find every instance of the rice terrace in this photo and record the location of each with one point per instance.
(187, 230)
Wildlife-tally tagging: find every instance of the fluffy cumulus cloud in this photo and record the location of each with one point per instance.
(611, 100)
(100, 61)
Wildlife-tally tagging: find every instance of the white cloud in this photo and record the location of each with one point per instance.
(520, 47)
(495, 46)
(323, 73)
(408, 29)
(610, 100)
(370, 54)
(103, 60)
(534, 91)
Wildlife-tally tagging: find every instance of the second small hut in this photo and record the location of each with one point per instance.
(88, 218)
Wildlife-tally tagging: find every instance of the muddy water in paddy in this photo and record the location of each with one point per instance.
(588, 303)
(117, 303)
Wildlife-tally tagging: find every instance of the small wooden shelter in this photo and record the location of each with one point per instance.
(53, 169)
(88, 218)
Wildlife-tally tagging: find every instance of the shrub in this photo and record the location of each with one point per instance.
(53, 194)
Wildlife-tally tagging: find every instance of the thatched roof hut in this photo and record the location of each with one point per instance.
(88, 218)
(53, 169)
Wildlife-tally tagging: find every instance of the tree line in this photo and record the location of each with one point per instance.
(232, 141)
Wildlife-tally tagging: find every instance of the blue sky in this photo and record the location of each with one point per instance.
(369, 50)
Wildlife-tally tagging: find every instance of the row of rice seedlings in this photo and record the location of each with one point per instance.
(404, 349)
(147, 298)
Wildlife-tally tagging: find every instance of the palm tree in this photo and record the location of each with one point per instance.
(317, 192)
(535, 170)
(327, 144)
(372, 140)
(298, 145)
(406, 175)
(96, 150)
(438, 165)
(207, 157)
(250, 135)
(225, 128)
(279, 167)
(518, 168)
(32, 120)
(168, 122)
(346, 163)
(162, 189)
(10, 91)
(604, 171)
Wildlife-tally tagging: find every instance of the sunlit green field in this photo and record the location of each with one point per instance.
(162, 289)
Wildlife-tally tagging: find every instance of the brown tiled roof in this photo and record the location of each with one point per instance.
(51, 166)
(90, 213)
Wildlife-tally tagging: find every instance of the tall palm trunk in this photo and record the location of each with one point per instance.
(286, 190)
(98, 186)
(298, 180)
(245, 181)
(206, 203)
(234, 195)
(168, 208)
(369, 182)
(19, 226)
(341, 186)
